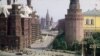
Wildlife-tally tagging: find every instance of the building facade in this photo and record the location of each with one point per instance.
(19, 26)
(36, 33)
(43, 23)
(91, 22)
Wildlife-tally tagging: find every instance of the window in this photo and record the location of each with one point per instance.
(89, 21)
(92, 21)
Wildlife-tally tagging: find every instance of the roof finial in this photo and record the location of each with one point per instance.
(96, 5)
(15, 1)
(29, 3)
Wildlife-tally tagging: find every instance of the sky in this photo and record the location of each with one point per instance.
(58, 8)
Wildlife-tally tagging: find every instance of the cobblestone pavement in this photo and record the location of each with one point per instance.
(35, 52)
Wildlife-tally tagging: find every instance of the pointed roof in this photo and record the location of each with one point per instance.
(74, 4)
(29, 2)
(74, 1)
(47, 16)
(47, 13)
(8, 2)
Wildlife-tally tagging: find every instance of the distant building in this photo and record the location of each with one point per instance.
(46, 22)
(51, 21)
(61, 25)
(17, 25)
(43, 23)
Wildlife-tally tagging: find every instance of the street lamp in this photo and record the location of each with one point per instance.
(94, 47)
(82, 48)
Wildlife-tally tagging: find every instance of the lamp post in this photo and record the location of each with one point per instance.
(94, 47)
(82, 48)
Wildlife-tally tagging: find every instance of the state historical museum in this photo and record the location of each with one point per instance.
(17, 23)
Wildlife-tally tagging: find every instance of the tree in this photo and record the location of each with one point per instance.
(93, 41)
(96, 37)
(59, 42)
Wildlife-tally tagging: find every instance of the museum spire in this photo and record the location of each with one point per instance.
(29, 3)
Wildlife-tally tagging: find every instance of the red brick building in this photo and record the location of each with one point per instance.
(61, 25)
(16, 26)
(74, 23)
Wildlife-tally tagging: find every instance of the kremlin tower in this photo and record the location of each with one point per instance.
(74, 23)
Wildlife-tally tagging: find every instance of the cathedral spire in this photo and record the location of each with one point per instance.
(74, 4)
(47, 19)
(47, 16)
